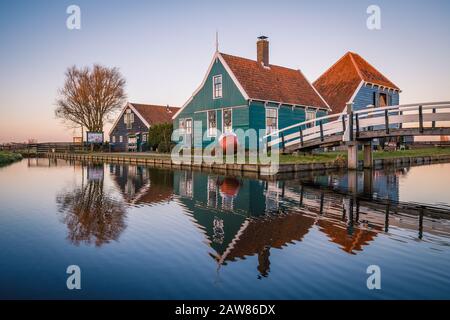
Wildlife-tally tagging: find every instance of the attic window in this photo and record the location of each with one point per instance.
(129, 119)
(217, 86)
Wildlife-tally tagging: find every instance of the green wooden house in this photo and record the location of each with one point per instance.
(239, 93)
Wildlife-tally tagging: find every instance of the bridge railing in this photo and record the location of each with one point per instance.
(350, 124)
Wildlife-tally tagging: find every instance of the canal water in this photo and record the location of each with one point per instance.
(143, 233)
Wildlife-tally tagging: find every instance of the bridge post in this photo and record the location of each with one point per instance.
(368, 184)
(352, 152)
(352, 144)
(352, 180)
(368, 155)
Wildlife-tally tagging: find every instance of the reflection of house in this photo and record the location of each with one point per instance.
(130, 131)
(257, 236)
(382, 185)
(238, 216)
(142, 185)
(349, 239)
(241, 217)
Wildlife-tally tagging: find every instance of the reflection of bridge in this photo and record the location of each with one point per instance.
(274, 214)
(361, 127)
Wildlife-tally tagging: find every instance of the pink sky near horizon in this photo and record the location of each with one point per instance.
(163, 49)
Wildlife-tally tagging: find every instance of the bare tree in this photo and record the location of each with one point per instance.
(90, 96)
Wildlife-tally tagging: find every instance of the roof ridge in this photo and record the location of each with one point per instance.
(376, 69)
(152, 105)
(314, 88)
(332, 66)
(270, 64)
(355, 65)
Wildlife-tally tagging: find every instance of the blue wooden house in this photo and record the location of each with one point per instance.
(353, 79)
(240, 93)
(130, 130)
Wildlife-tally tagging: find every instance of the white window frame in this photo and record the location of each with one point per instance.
(191, 127)
(208, 127)
(314, 113)
(265, 119)
(223, 120)
(121, 139)
(220, 90)
(113, 139)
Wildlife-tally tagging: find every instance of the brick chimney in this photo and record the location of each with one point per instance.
(262, 50)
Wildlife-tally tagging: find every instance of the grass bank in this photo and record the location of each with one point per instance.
(339, 158)
(9, 157)
(327, 157)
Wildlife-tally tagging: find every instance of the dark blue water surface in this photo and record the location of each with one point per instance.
(144, 233)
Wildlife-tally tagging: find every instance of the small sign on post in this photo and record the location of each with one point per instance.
(94, 137)
(78, 140)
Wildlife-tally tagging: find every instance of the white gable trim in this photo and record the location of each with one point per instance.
(352, 99)
(217, 55)
(233, 77)
(128, 105)
(317, 92)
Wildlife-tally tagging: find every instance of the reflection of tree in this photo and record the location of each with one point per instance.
(91, 215)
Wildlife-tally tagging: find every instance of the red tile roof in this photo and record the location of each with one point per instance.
(338, 84)
(273, 83)
(155, 114)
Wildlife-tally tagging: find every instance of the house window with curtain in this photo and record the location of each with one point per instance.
(212, 123)
(217, 86)
(271, 120)
(227, 119)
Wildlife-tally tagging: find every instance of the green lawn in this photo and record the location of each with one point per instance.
(323, 157)
(311, 158)
(334, 156)
(9, 157)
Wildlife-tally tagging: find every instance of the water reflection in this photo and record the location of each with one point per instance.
(242, 217)
(141, 185)
(197, 235)
(92, 216)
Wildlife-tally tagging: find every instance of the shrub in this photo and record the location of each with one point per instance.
(9, 157)
(159, 137)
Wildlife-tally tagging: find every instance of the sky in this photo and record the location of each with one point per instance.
(163, 48)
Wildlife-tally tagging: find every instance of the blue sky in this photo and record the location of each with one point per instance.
(163, 48)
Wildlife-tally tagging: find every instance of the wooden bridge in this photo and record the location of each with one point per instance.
(353, 128)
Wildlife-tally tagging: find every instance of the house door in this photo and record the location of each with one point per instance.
(383, 100)
(188, 132)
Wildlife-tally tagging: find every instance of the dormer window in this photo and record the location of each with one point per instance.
(217, 86)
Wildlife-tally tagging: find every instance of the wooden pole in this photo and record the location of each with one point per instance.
(420, 119)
